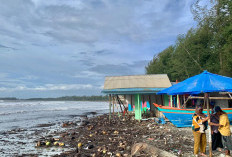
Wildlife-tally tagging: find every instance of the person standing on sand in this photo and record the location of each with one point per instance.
(224, 129)
(216, 135)
(199, 125)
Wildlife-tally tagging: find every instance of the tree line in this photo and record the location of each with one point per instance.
(206, 47)
(65, 98)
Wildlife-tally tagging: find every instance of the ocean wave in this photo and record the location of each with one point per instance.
(30, 103)
(9, 113)
(34, 111)
(19, 104)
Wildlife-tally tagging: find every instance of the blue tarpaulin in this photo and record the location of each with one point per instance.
(205, 82)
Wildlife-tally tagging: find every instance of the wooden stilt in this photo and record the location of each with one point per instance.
(162, 100)
(208, 113)
(184, 101)
(113, 104)
(178, 101)
(119, 102)
(109, 107)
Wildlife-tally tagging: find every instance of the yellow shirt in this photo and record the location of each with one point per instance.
(224, 127)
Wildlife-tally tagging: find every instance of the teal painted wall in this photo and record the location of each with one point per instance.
(138, 112)
(166, 100)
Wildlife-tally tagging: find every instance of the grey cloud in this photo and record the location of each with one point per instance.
(89, 58)
(81, 41)
(122, 69)
(2, 46)
(7, 47)
(83, 53)
(86, 62)
(96, 21)
(102, 52)
(110, 69)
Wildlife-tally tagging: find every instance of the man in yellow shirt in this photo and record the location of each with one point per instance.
(224, 129)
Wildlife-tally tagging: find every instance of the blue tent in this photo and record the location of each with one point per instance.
(205, 82)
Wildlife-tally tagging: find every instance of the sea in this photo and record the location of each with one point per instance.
(21, 123)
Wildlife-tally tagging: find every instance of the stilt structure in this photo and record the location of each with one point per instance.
(134, 88)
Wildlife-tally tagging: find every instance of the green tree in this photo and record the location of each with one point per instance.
(207, 47)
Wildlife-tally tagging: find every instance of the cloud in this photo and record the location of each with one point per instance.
(89, 74)
(50, 87)
(91, 21)
(63, 87)
(122, 69)
(2, 46)
(66, 47)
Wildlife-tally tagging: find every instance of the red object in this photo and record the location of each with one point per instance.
(125, 111)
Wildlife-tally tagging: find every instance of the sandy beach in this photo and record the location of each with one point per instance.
(24, 122)
(97, 136)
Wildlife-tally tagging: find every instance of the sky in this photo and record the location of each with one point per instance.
(53, 48)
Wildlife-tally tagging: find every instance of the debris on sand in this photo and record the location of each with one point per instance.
(123, 136)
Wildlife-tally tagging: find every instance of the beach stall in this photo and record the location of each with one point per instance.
(136, 93)
(200, 86)
(191, 92)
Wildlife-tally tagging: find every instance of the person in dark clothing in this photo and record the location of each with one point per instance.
(224, 129)
(216, 135)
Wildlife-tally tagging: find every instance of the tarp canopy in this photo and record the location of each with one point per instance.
(205, 82)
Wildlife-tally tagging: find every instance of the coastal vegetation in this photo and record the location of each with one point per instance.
(64, 98)
(206, 47)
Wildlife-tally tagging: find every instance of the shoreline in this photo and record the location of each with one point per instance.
(96, 136)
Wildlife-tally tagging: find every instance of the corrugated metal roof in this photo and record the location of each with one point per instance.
(137, 81)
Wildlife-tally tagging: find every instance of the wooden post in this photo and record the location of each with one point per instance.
(210, 98)
(109, 107)
(178, 101)
(184, 102)
(162, 100)
(125, 101)
(113, 104)
(208, 113)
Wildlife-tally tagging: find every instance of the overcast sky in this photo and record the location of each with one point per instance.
(52, 48)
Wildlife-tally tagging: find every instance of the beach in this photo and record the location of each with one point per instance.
(116, 137)
(24, 122)
(90, 133)
(100, 137)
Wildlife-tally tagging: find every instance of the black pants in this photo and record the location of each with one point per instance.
(216, 141)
